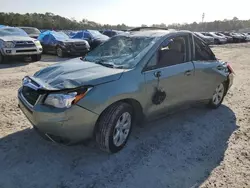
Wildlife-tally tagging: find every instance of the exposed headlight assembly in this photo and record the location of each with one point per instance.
(65, 100)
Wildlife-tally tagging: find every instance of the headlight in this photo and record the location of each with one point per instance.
(65, 100)
(37, 43)
(9, 44)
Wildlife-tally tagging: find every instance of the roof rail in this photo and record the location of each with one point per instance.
(147, 28)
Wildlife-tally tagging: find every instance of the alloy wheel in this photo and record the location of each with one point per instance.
(218, 94)
(59, 52)
(122, 129)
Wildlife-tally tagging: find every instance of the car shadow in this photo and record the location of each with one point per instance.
(180, 150)
(53, 58)
(15, 62)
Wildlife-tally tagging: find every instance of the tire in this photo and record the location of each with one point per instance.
(218, 96)
(59, 52)
(109, 133)
(216, 41)
(36, 57)
(2, 59)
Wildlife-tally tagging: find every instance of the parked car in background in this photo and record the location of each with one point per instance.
(247, 36)
(209, 40)
(236, 37)
(243, 37)
(60, 44)
(111, 33)
(31, 31)
(130, 77)
(217, 39)
(94, 38)
(14, 42)
(229, 38)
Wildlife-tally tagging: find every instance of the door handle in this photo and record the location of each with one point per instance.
(157, 74)
(188, 72)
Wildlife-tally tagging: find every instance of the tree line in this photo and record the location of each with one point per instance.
(52, 21)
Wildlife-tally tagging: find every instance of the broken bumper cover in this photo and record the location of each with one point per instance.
(73, 124)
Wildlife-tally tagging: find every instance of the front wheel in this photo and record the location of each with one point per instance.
(59, 52)
(218, 96)
(2, 58)
(36, 57)
(114, 127)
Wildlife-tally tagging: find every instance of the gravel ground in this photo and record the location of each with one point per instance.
(197, 147)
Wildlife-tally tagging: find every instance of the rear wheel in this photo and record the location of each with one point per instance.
(218, 96)
(114, 127)
(36, 57)
(59, 52)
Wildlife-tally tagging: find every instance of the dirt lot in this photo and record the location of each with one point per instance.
(194, 148)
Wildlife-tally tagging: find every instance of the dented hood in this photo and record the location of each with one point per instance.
(75, 73)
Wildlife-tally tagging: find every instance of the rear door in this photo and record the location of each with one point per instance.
(206, 70)
(176, 79)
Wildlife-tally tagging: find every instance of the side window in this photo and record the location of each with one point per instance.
(172, 51)
(152, 62)
(87, 35)
(202, 51)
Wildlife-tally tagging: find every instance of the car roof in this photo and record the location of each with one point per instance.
(26, 27)
(155, 33)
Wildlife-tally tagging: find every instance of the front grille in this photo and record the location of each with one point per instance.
(24, 44)
(30, 95)
(80, 45)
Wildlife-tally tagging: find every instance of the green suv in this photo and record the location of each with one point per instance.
(133, 76)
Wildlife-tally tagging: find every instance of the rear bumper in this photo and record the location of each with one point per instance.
(73, 124)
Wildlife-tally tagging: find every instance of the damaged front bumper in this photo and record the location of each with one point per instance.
(69, 125)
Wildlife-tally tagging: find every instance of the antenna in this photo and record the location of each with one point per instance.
(202, 20)
(203, 16)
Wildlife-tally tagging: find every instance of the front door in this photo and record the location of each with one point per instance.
(172, 73)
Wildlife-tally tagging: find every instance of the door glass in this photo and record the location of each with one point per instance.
(202, 51)
(172, 52)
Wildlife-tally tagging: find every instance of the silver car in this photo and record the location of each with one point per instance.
(15, 42)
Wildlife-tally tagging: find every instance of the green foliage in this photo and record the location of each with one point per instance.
(52, 21)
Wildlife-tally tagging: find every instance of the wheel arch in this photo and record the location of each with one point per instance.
(136, 107)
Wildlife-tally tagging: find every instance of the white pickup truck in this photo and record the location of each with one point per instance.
(15, 42)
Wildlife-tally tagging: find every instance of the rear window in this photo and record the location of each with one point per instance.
(202, 51)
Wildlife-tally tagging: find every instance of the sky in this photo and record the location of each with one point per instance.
(134, 12)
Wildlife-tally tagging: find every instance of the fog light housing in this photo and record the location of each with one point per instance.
(8, 51)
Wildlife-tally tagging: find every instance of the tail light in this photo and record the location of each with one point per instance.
(230, 68)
